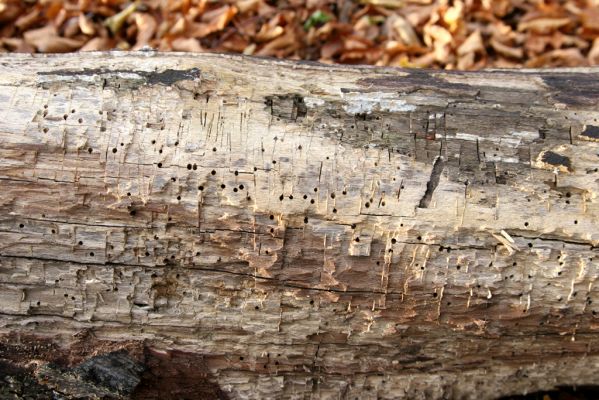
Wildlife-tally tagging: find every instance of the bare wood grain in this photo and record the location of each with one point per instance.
(314, 231)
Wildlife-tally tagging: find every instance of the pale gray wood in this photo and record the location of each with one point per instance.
(315, 231)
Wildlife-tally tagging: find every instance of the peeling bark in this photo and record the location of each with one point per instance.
(307, 231)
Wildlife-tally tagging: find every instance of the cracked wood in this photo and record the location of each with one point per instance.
(308, 230)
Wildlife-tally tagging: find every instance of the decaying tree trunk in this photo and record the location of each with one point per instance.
(243, 228)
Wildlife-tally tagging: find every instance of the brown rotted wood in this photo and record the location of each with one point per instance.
(309, 231)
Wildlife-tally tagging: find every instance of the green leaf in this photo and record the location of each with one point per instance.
(316, 19)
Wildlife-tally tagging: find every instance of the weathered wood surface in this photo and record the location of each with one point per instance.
(310, 231)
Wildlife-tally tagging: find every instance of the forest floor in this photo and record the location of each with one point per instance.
(450, 34)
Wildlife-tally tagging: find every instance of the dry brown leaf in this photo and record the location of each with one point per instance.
(186, 44)
(472, 44)
(331, 49)
(558, 58)
(286, 42)
(9, 11)
(593, 55)
(356, 43)
(420, 33)
(146, 27)
(233, 42)
(46, 40)
(248, 51)
(270, 30)
(18, 45)
(466, 61)
(97, 44)
(453, 15)
(436, 34)
(220, 16)
(542, 25)
(536, 44)
(213, 21)
(179, 27)
(385, 3)
(507, 51)
(401, 29)
(590, 18)
(86, 25)
(247, 5)
(369, 55)
(425, 61)
(24, 22)
(71, 27)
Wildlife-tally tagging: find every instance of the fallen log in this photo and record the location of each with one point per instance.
(296, 230)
